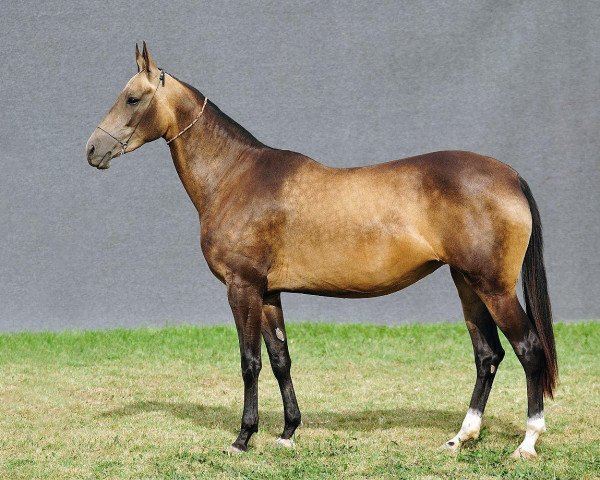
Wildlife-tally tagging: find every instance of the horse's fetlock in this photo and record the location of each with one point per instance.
(294, 420)
(250, 426)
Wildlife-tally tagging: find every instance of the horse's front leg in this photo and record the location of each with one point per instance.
(245, 299)
(273, 330)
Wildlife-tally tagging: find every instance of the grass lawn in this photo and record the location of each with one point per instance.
(377, 402)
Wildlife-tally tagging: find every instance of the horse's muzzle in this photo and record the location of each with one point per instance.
(95, 158)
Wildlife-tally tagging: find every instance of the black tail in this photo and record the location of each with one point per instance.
(535, 291)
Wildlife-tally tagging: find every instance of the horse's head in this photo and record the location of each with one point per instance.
(137, 117)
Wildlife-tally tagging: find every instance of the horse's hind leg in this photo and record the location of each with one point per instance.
(520, 332)
(273, 330)
(488, 355)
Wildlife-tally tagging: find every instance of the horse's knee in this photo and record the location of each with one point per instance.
(251, 366)
(487, 362)
(281, 365)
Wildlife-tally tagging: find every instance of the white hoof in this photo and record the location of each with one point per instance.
(452, 446)
(469, 430)
(523, 454)
(535, 426)
(231, 450)
(285, 442)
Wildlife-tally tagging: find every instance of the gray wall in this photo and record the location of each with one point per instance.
(348, 84)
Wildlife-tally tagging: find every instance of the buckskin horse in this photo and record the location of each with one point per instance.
(277, 221)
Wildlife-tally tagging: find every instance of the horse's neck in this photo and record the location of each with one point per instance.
(208, 152)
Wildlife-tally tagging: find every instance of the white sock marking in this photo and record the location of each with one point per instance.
(535, 426)
(469, 429)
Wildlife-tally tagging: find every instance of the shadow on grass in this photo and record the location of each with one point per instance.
(228, 419)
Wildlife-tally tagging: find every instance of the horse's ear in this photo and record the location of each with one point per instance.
(139, 59)
(150, 66)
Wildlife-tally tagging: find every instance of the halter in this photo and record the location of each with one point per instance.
(161, 81)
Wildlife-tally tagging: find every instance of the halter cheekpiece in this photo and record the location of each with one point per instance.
(161, 81)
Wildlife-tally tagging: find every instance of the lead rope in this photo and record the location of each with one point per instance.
(191, 124)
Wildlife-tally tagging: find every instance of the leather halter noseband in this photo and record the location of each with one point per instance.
(161, 81)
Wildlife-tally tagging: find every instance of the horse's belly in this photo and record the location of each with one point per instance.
(363, 267)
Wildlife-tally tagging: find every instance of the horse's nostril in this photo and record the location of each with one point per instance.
(91, 150)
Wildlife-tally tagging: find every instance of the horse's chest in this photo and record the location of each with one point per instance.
(235, 254)
(214, 261)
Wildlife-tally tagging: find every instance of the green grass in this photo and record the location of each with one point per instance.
(377, 402)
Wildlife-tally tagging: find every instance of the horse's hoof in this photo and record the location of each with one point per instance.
(522, 454)
(233, 450)
(285, 442)
(451, 446)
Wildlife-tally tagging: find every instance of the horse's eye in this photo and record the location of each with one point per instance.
(133, 101)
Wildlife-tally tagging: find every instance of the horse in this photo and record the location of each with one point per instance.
(276, 221)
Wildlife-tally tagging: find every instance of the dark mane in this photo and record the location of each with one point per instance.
(229, 123)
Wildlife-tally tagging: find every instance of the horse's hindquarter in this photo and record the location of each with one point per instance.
(352, 232)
